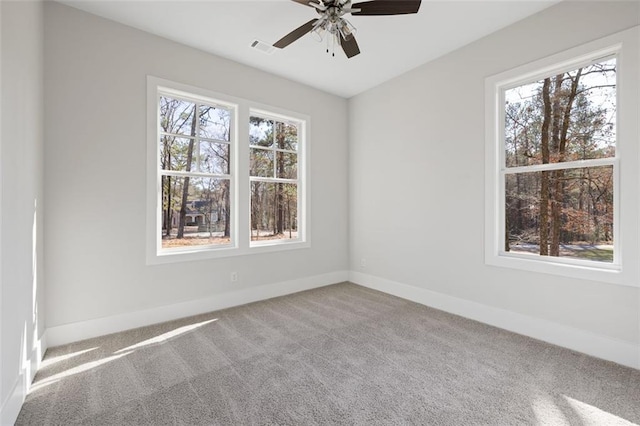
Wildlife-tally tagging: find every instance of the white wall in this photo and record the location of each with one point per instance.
(21, 283)
(414, 221)
(417, 182)
(95, 179)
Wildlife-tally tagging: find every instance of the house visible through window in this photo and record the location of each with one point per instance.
(195, 169)
(225, 176)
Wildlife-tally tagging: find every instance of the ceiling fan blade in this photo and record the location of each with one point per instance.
(386, 7)
(350, 46)
(308, 2)
(295, 34)
(318, 4)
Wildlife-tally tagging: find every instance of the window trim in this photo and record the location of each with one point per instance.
(200, 100)
(239, 166)
(624, 269)
(299, 181)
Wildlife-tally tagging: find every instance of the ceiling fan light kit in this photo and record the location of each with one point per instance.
(332, 26)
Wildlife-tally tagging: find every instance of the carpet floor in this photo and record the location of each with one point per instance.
(341, 354)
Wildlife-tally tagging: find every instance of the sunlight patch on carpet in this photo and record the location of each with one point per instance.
(166, 336)
(592, 415)
(547, 411)
(49, 361)
(76, 370)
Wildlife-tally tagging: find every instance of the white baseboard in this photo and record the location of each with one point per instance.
(74, 332)
(10, 407)
(619, 351)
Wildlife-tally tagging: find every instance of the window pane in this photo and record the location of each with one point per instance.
(566, 117)
(287, 165)
(214, 157)
(176, 116)
(287, 136)
(174, 153)
(200, 218)
(260, 131)
(577, 205)
(261, 162)
(215, 123)
(274, 211)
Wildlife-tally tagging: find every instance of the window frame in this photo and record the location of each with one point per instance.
(231, 177)
(268, 115)
(239, 176)
(623, 270)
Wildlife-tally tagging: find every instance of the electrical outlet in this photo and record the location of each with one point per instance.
(234, 277)
(363, 262)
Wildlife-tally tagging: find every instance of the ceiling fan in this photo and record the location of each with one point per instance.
(337, 29)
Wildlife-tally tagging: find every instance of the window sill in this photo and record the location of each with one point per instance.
(196, 254)
(585, 270)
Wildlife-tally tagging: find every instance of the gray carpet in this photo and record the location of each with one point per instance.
(341, 354)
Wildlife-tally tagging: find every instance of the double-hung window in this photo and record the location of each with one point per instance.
(561, 158)
(195, 144)
(274, 177)
(226, 176)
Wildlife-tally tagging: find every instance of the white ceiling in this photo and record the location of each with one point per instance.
(390, 45)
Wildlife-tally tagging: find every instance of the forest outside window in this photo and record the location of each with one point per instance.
(195, 170)
(274, 178)
(225, 176)
(561, 164)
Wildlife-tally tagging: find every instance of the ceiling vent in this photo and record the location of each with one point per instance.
(263, 47)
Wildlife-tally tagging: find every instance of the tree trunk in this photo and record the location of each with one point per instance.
(506, 231)
(519, 207)
(185, 188)
(594, 213)
(166, 186)
(560, 131)
(279, 210)
(227, 209)
(289, 215)
(544, 184)
(556, 210)
(279, 202)
(556, 175)
(256, 201)
(254, 209)
(227, 198)
(167, 214)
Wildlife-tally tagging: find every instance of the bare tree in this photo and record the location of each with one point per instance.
(185, 186)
